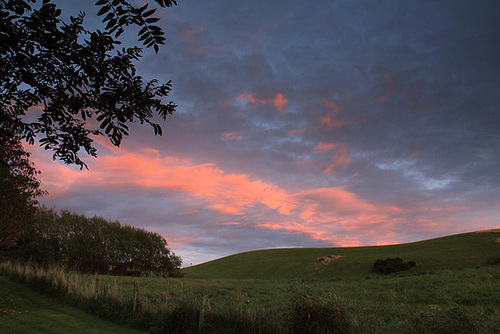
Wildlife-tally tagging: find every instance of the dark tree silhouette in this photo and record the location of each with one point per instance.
(56, 76)
(62, 84)
(94, 245)
(19, 189)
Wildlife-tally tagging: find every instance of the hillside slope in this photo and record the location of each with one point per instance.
(451, 252)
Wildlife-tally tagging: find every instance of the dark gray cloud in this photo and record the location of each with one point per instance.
(389, 107)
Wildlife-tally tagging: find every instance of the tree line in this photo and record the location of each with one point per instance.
(94, 245)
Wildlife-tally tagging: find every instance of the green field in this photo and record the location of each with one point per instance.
(455, 288)
(453, 252)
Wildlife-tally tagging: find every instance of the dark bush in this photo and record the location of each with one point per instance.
(392, 265)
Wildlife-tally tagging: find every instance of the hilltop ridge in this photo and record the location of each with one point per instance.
(460, 251)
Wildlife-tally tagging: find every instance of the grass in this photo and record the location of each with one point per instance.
(26, 310)
(453, 252)
(454, 289)
(459, 300)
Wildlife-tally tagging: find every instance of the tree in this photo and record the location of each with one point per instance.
(19, 189)
(62, 85)
(94, 245)
(55, 76)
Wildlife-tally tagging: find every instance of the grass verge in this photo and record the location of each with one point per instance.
(26, 310)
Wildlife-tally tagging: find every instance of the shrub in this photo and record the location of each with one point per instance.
(392, 265)
(313, 314)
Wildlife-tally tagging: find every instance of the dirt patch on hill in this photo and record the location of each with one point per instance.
(327, 259)
(493, 230)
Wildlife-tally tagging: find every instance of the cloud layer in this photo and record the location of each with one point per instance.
(318, 124)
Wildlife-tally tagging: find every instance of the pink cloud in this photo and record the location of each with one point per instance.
(296, 132)
(188, 33)
(279, 101)
(230, 135)
(328, 120)
(333, 215)
(324, 147)
(340, 158)
(222, 192)
(324, 212)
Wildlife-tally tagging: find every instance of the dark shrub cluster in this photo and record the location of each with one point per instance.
(392, 265)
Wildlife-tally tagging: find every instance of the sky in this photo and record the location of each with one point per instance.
(313, 123)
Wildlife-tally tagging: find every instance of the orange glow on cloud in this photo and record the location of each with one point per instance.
(189, 33)
(316, 213)
(230, 135)
(323, 211)
(341, 158)
(222, 192)
(324, 147)
(328, 120)
(296, 132)
(279, 101)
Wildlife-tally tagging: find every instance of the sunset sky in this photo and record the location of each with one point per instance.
(306, 124)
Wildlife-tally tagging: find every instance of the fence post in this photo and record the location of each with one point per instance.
(96, 286)
(202, 313)
(136, 296)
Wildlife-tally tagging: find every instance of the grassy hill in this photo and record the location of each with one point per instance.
(452, 252)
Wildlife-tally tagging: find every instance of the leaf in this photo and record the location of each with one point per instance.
(143, 30)
(144, 36)
(108, 17)
(109, 128)
(103, 10)
(152, 20)
(104, 124)
(149, 12)
(111, 23)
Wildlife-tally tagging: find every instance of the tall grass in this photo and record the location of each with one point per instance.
(460, 301)
(156, 314)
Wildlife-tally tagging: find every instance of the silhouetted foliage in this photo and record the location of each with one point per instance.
(56, 76)
(18, 190)
(392, 265)
(94, 245)
(62, 84)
